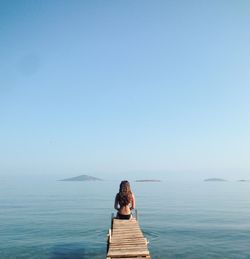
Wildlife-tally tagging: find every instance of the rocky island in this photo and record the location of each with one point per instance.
(215, 180)
(82, 178)
(147, 180)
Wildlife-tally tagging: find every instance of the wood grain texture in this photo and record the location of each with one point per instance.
(126, 240)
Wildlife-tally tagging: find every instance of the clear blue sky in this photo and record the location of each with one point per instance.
(121, 86)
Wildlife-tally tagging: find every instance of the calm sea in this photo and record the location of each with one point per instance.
(54, 219)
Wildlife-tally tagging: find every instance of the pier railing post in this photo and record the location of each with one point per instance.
(112, 216)
(136, 214)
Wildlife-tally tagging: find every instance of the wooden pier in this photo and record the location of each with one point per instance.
(126, 240)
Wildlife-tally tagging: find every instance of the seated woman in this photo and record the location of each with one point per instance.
(124, 201)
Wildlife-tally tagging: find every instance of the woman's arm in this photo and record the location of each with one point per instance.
(116, 203)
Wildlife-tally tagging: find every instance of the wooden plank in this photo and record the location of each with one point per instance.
(131, 251)
(127, 229)
(140, 246)
(121, 242)
(144, 257)
(129, 241)
(124, 250)
(121, 233)
(119, 238)
(132, 246)
(128, 253)
(117, 230)
(128, 244)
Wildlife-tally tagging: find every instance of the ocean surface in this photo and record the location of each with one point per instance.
(44, 218)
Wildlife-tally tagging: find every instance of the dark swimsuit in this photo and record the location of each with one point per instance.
(121, 216)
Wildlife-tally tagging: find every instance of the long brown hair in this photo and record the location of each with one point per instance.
(125, 194)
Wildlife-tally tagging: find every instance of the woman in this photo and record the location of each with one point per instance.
(124, 201)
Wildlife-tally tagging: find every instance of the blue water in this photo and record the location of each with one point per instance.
(53, 219)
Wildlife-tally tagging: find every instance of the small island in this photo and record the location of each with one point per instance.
(147, 181)
(243, 180)
(82, 178)
(215, 180)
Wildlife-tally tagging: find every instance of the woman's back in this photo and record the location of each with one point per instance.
(124, 200)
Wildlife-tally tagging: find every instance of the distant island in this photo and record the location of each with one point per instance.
(147, 180)
(82, 178)
(243, 180)
(215, 180)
